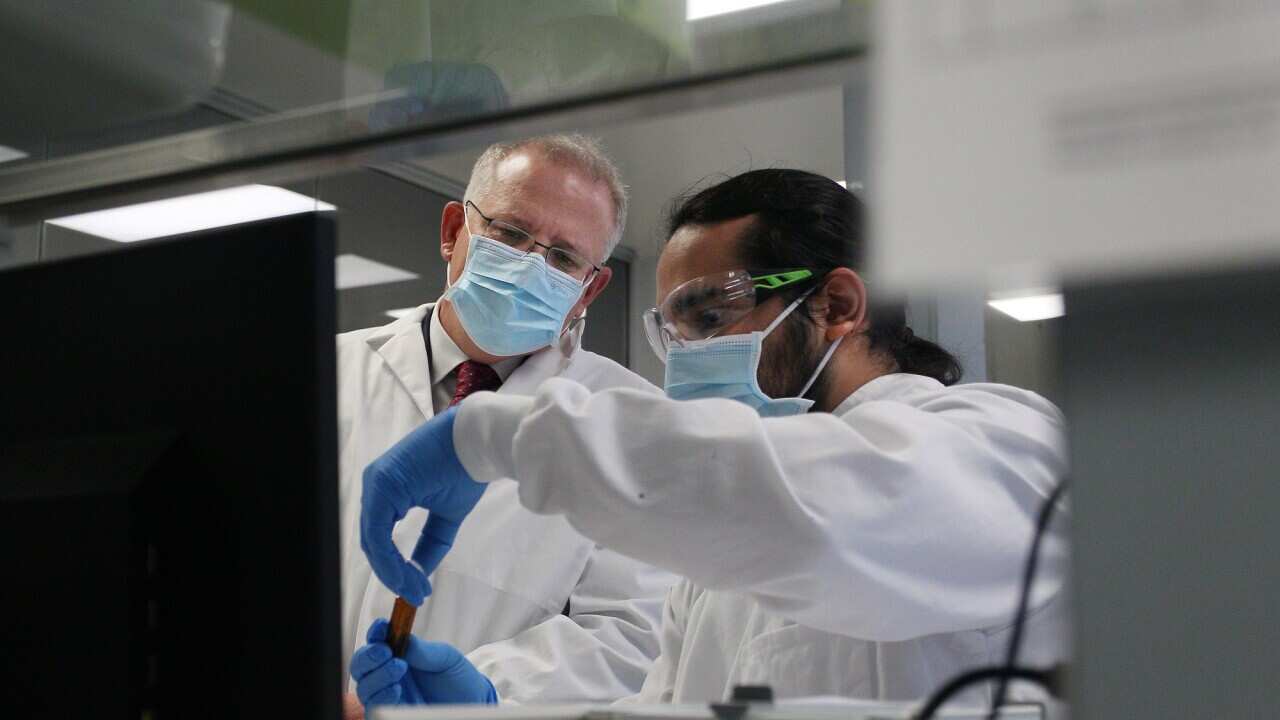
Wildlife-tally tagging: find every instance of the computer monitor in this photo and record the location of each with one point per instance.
(168, 479)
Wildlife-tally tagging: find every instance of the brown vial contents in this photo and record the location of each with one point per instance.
(401, 624)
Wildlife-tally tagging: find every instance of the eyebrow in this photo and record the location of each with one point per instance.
(556, 242)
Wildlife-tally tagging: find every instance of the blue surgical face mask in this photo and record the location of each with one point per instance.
(729, 366)
(511, 302)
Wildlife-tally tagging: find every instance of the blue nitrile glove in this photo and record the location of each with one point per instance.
(431, 673)
(422, 470)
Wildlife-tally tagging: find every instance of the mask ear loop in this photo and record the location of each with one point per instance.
(466, 224)
(825, 358)
(573, 329)
(571, 336)
(822, 365)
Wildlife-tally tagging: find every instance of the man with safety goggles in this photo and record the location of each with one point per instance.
(547, 613)
(848, 520)
(685, 333)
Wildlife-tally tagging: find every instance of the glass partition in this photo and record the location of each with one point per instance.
(93, 76)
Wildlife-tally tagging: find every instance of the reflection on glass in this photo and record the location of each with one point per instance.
(171, 66)
(703, 9)
(74, 67)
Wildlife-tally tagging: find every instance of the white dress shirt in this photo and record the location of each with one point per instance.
(444, 360)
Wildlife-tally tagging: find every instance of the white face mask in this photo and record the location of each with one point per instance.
(728, 367)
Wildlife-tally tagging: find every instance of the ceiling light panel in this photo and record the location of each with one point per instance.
(1028, 308)
(8, 154)
(189, 213)
(354, 271)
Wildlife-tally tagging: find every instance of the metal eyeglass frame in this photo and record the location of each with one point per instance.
(548, 249)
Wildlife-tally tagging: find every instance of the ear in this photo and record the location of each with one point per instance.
(452, 222)
(597, 286)
(845, 297)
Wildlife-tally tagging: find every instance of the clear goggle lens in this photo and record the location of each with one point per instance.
(699, 309)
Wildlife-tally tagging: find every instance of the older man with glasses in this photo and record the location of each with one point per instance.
(543, 612)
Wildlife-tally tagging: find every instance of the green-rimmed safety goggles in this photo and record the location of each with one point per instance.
(704, 306)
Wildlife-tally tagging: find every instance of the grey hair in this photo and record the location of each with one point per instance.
(575, 150)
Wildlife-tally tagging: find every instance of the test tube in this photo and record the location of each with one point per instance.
(401, 625)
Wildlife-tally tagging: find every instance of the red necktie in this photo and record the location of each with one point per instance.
(474, 377)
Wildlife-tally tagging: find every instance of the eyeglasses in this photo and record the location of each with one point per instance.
(704, 306)
(566, 261)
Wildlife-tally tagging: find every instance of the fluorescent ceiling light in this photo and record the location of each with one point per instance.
(354, 271)
(1027, 308)
(699, 9)
(399, 312)
(189, 213)
(7, 154)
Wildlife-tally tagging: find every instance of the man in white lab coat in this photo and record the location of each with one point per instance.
(849, 521)
(547, 613)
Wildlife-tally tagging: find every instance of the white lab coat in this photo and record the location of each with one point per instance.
(499, 594)
(872, 552)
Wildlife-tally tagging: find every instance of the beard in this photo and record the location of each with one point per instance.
(791, 354)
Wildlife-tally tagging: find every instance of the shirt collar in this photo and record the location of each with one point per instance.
(446, 356)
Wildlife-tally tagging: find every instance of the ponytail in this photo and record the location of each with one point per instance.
(913, 354)
(921, 357)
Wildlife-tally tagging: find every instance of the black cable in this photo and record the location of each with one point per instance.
(1024, 596)
(1045, 678)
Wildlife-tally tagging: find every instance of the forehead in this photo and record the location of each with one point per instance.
(552, 199)
(697, 250)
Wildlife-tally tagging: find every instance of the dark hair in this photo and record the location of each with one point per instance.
(805, 220)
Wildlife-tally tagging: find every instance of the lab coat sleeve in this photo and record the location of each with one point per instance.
(601, 651)
(890, 522)
(660, 684)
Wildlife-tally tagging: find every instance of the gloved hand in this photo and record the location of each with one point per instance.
(430, 673)
(422, 470)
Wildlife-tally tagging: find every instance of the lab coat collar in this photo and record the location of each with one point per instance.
(891, 386)
(401, 347)
(538, 367)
